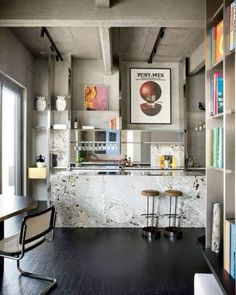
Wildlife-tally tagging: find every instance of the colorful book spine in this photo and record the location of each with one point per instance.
(216, 43)
(210, 47)
(227, 245)
(219, 93)
(209, 138)
(231, 26)
(220, 148)
(211, 100)
(213, 45)
(219, 45)
(232, 249)
(216, 93)
(215, 148)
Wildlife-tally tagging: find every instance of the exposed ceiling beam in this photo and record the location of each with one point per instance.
(168, 13)
(102, 3)
(105, 36)
(196, 59)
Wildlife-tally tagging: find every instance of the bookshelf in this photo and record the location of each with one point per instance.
(220, 180)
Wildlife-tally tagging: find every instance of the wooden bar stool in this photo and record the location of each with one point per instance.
(151, 231)
(173, 231)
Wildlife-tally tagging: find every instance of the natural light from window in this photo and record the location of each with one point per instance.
(8, 141)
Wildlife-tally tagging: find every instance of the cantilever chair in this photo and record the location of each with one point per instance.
(33, 233)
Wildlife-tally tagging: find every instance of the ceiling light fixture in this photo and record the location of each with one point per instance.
(53, 47)
(154, 50)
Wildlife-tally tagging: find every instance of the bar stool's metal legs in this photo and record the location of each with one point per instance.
(173, 231)
(152, 231)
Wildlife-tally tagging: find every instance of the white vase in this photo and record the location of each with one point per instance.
(216, 228)
(41, 103)
(61, 103)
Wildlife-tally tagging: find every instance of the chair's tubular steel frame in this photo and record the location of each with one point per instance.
(52, 281)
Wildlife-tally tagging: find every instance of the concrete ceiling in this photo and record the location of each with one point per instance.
(108, 29)
(128, 44)
(81, 42)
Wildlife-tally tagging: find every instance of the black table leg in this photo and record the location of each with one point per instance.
(1, 258)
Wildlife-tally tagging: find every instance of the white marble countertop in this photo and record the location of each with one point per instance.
(87, 199)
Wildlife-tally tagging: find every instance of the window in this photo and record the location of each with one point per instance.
(11, 130)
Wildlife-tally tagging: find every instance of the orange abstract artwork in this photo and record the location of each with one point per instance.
(95, 98)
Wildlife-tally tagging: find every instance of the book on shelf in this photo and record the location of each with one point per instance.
(221, 147)
(232, 25)
(232, 249)
(216, 43)
(219, 45)
(216, 99)
(229, 246)
(218, 148)
(209, 138)
(88, 127)
(59, 126)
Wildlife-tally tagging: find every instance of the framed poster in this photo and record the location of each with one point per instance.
(96, 97)
(150, 96)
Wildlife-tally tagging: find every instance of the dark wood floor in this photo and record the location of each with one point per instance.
(110, 262)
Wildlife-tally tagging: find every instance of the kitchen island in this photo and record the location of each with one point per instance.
(89, 199)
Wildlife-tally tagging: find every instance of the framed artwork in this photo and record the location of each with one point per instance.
(96, 97)
(150, 96)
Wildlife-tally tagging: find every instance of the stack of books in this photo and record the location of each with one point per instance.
(229, 247)
(216, 141)
(216, 43)
(232, 25)
(216, 99)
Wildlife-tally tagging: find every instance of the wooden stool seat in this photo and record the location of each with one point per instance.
(150, 193)
(173, 193)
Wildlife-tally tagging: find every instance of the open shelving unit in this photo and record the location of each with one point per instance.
(51, 79)
(220, 181)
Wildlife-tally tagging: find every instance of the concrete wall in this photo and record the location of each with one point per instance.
(177, 100)
(194, 116)
(15, 59)
(17, 63)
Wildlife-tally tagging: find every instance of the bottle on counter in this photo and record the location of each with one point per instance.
(173, 164)
(76, 124)
(126, 161)
(130, 162)
(167, 163)
(161, 161)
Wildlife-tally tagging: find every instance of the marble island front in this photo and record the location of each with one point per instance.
(89, 199)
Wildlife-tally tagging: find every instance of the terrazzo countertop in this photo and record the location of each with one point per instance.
(87, 199)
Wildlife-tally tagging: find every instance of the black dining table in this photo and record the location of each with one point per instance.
(11, 206)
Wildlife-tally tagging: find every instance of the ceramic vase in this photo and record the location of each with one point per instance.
(61, 103)
(216, 228)
(41, 103)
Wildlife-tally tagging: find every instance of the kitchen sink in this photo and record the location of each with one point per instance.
(113, 173)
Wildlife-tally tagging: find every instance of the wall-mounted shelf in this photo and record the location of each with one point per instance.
(218, 116)
(37, 173)
(228, 171)
(216, 66)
